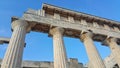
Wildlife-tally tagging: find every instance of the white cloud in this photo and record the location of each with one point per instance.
(3, 46)
(3, 32)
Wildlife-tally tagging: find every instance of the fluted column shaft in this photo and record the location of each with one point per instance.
(115, 49)
(91, 50)
(13, 55)
(60, 58)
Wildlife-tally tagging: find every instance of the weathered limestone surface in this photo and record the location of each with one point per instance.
(73, 63)
(60, 58)
(4, 40)
(48, 64)
(49, 19)
(115, 49)
(91, 50)
(30, 16)
(13, 56)
(110, 61)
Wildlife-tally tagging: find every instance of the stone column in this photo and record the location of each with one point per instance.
(13, 55)
(115, 48)
(91, 50)
(60, 58)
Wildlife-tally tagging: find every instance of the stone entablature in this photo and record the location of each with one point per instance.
(49, 17)
(58, 23)
(51, 9)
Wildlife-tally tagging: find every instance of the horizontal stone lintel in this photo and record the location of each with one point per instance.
(64, 11)
(4, 40)
(43, 24)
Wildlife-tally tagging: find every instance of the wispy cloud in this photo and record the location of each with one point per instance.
(3, 47)
(4, 32)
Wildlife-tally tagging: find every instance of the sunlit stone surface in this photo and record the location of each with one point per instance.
(74, 24)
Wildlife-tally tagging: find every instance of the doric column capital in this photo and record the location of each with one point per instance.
(56, 30)
(86, 35)
(20, 23)
(91, 50)
(23, 23)
(110, 40)
(14, 53)
(60, 58)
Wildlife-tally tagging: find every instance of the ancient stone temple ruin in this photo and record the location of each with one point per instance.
(58, 22)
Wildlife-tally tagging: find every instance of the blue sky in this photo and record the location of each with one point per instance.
(39, 46)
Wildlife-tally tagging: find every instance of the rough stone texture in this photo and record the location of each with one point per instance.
(46, 64)
(77, 25)
(91, 50)
(115, 49)
(4, 40)
(74, 24)
(60, 58)
(110, 61)
(74, 63)
(13, 55)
